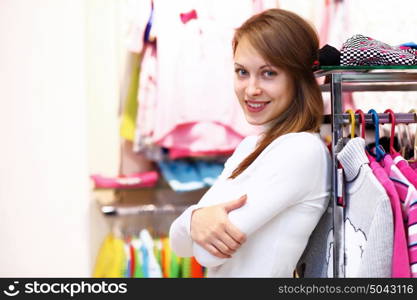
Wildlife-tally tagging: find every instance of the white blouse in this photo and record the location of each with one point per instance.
(287, 188)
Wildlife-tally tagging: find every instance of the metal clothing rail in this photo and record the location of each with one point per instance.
(116, 210)
(400, 118)
(380, 80)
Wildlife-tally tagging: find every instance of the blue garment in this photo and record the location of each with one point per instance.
(209, 171)
(410, 44)
(145, 263)
(181, 175)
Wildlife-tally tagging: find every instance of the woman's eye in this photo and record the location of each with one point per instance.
(269, 73)
(241, 72)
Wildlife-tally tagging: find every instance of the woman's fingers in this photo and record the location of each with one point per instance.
(229, 242)
(238, 236)
(215, 251)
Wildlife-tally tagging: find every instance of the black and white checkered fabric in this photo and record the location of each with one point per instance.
(360, 50)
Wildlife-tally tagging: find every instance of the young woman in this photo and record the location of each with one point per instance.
(281, 178)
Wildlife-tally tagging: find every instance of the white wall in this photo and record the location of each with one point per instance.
(44, 189)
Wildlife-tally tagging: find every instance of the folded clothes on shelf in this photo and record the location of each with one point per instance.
(360, 50)
(185, 175)
(137, 180)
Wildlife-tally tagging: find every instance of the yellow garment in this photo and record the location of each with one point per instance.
(111, 258)
(166, 257)
(130, 110)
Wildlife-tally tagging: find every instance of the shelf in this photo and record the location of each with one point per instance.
(145, 201)
(369, 68)
(373, 87)
(366, 79)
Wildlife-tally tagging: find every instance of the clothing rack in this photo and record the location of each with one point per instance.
(349, 79)
(144, 209)
(400, 118)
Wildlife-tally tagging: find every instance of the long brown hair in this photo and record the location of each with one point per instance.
(288, 42)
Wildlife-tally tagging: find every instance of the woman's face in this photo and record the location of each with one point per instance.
(264, 91)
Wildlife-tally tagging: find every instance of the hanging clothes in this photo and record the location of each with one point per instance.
(141, 256)
(408, 197)
(111, 259)
(195, 59)
(400, 260)
(368, 216)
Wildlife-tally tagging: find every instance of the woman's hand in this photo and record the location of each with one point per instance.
(212, 230)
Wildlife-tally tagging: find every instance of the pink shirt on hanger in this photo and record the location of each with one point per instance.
(409, 173)
(408, 197)
(400, 258)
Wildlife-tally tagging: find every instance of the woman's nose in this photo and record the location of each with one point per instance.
(253, 88)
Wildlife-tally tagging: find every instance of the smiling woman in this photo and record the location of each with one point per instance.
(264, 91)
(280, 178)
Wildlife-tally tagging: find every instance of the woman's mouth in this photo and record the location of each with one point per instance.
(256, 106)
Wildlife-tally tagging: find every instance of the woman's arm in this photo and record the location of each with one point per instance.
(289, 172)
(206, 215)
(208, 226)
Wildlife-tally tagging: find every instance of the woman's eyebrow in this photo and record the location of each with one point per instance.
(266, 66)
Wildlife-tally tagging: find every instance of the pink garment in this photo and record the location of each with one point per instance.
(195, 99)
(139, 180)
(408, 197)
(405, 168)
(411, 175)
(413, 165)
(400, 256)
(175, 153)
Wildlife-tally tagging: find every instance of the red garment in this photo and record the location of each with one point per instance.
(196, 269)
(132, 261)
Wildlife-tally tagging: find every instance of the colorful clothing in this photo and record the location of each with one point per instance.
(408, 197)
(411, 176)
(400, 259)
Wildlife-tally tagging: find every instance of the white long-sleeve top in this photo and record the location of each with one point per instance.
(287, 188)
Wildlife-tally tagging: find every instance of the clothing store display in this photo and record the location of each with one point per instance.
(179, 113)
(153, 268)
(400, 259)
(135, 256)
(200, 43)
(209, 171)
(111, 258)
(181, 175)
(369, 235)
(408, 197)
(189, 175)
(411, 175)
(368, 216)
(138, 180)
(361, 50)
(277, 205)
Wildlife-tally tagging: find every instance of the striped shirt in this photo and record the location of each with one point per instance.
(408, 198)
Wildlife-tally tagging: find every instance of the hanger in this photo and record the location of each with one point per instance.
(379, 151)
(392, 136)
(361, 122)
(352, 122)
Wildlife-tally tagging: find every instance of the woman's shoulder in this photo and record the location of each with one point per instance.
(305, 140)
(248, 144)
